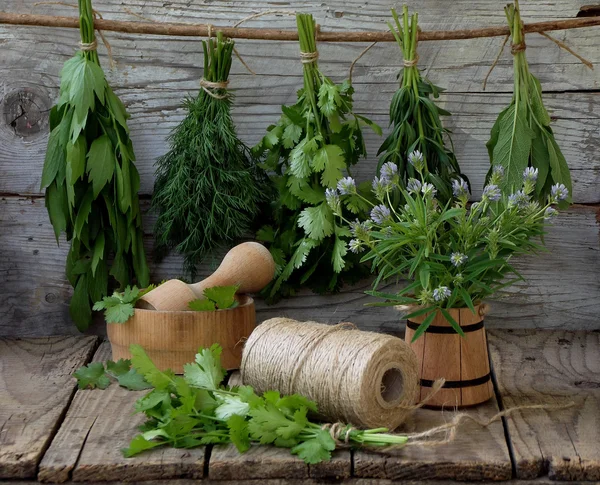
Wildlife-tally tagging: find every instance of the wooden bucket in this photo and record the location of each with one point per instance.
(462, 361)
(172, 339)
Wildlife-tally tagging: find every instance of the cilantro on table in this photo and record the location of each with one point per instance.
(91, 181)
(95, 375)
(415, 119)
(521, 136)
(209, 190)
(196, 409)
(310, 149)
(216, 298)
(120, 307)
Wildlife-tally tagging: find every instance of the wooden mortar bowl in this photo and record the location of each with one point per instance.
(172, 339)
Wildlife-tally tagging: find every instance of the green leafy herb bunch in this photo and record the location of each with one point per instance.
(208, 190)
(197, 410)
(310, 149)
(91, 181)
(522, 136)
(452, 255)
(415, 118)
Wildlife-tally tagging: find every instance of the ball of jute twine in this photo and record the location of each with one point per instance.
(364, 378)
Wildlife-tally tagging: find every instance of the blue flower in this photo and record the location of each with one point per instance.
(550, 213)
(460, 188)
(519, 199)
(333, 200)
(441, 293)
(530, 174)
(428, 189)
(491, 193)
(388, 171)
(458, 259)
(498, 170)
(559, 192)
(347, 186)
(381, 186)
(355, 246)
(414, 185)
(380, 214)
(416, 160)
(360, 230)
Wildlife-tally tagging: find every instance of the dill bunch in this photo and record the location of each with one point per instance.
(208, 189)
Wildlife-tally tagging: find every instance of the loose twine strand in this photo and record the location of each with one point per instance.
(93, 45)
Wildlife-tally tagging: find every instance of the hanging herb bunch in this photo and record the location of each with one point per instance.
(522, 136)
(90, 180)
(208, 190)
(415, 119)
(310, 149)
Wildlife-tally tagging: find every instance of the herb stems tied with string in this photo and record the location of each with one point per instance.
(208, 190)
(91, 181)
(415, 118)
(313, 145)
(522, 136)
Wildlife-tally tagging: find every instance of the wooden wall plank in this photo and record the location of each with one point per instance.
(98, 425)
(551, 368)
(477, 453)
(35, 390)
(561, 288)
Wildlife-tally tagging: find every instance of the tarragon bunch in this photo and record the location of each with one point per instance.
(453, 255)
(309, 150)
(522, 136)
(197, 410)
(208, 190)
(415, 118)
(91, 181)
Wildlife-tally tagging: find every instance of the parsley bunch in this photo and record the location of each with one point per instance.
(312, 146)
(208, 190)
(196, 410)
(415, 118)
(521, 136)
(91, 182)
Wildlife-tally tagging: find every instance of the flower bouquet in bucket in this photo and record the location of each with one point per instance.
(454, 256)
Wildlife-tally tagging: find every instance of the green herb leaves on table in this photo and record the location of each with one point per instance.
(310, 149)
(216, 298)
(415, 118)
(196, 410)
(91, 181)
(96, 375)
(522, 136)
(208, 190)
(120, 307)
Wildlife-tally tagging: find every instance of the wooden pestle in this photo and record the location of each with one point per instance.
(249, 265)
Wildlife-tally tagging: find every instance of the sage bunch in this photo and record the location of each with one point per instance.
(91, 181)
(415, 118)
(521, 136)
(309, 151)
(208, 190)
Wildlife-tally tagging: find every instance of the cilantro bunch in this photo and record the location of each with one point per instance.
(312, 146)
(415, 118)
(208, 190)
(196, 410)
(521, 136)
(120, 307)
(91, 181)
(96, 376)
(216, 298)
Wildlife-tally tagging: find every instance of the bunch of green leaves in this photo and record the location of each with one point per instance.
(521, 136)
(208, 190)
(312, 146)
(91, 182)
(120, 307)
(196, 410)
(452, 255)
(96, 375)
(415, 118)
(216, 298)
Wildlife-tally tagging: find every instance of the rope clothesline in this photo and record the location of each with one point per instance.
(202, 30)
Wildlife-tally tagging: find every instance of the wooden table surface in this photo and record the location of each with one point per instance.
(52, 432)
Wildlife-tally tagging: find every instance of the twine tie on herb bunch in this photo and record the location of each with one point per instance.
(309, 57)
(364, 378)
(411, 62)
(88, 47)
(210, 88)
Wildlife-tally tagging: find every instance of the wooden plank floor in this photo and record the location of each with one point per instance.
(50, 433)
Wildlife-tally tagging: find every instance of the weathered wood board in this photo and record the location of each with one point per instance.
(551, 368)
(36, 388)
(561, 288)
(97, 426)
